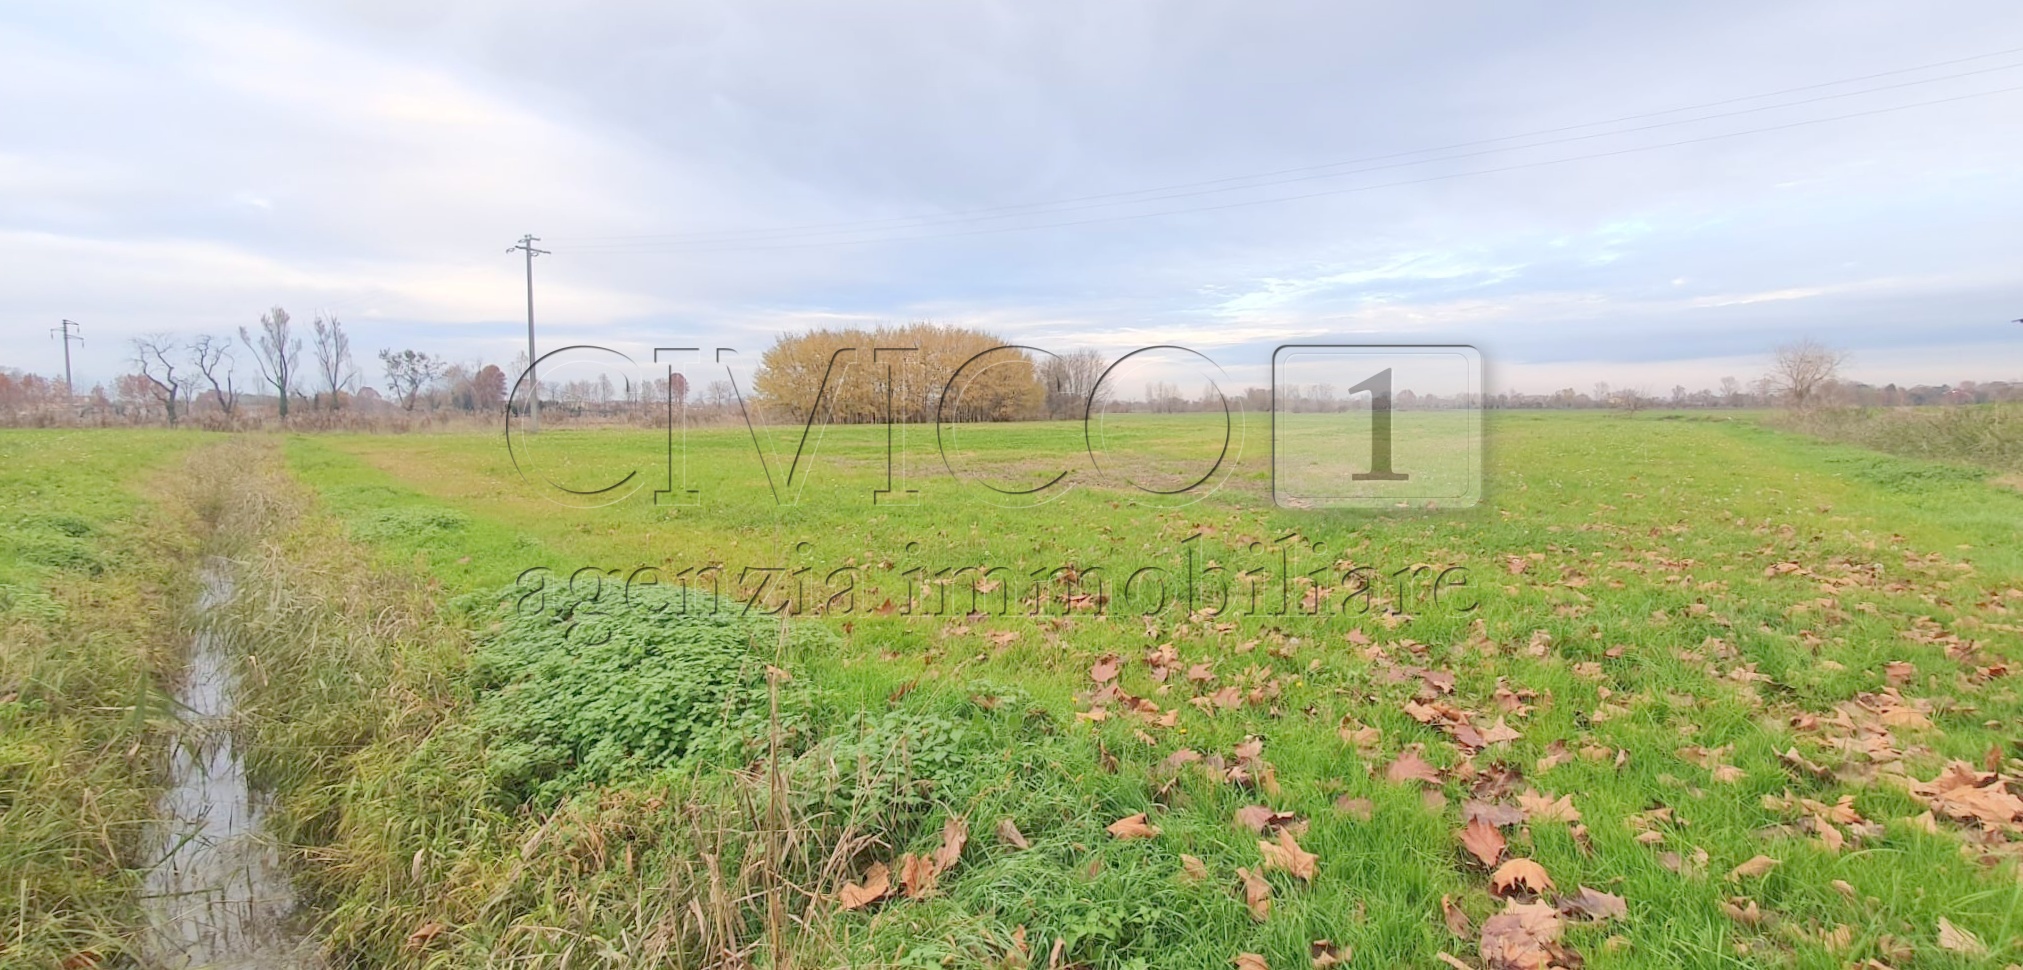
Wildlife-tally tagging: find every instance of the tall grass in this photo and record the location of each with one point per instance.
(357, 690)
(93, 574)
(1987, 435)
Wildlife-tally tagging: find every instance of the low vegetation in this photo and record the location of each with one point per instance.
(1728, 695)
(1715, 694)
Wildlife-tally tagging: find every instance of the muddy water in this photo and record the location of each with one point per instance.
(218, 897)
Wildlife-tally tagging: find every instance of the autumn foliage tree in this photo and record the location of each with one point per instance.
(845, 376)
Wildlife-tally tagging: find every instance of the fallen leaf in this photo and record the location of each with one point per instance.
(1193, 868)
(1542, 808)
(1326, 954)
(424, 935)
(877, 882)
(1008, 833)
(1105, 670)
(1594, 904)
(1958, 940)
(1256, 894)
(1482, 840)
(1411, 767)
(1744, 911)
(1286, 854)
(1495, 813)
(1132, 827)
(1499, 733)
(1753, 868)
(1264, 821)
(1522, 937)
(917, 875)
(1250, 961)
(1520, 874)
(1456, 919)
(954, 835)
(1451, 960)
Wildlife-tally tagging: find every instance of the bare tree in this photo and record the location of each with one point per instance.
(333, 357)
(408, 373)
(212, 356)
(1070, 379)
(1731, 391)
(278, 352)
(153, 354)
(1632, 399)
(1803, 371)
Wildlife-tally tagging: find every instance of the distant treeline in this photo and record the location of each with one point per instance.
(853, 376)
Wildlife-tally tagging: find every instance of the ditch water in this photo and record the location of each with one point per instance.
(218, 897)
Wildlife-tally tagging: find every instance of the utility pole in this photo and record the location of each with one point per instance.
(534, 408)
(65, 328)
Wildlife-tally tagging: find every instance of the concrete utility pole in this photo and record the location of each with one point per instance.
(65, 328)
(533, 385)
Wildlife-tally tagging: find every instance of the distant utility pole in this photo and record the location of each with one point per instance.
(70, 330)
(534, 409)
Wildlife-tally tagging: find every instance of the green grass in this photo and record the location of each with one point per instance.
(89, 586)
(594, 779)
(1643, 621)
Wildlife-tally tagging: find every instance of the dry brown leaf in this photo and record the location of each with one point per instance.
(1008, 833)
(1286, 854)
(1411, 767)
(1451, 960)
(1498, 814)
(1264, 821)
(1325, 954)
(1482, 840)
(917, 875)
(1499, 733)
(1104, 670)
(1958, 940)
(1754, 867)
(1256, 894)
(1250, 961)
(1594, 904)
(424, 935)
(1542, 808)
(1520, 874)
(954, 835)
(877, 882)
(1744, 911)
(1522, 937)
(1193, 868)
(1456, 919)
(1133, 827)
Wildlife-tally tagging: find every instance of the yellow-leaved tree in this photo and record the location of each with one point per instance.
(845, 376)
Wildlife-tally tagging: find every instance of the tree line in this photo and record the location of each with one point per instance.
(851, 376)
(278, 366)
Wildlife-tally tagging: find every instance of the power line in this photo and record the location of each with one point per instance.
(1303, 173)
(1326, 192)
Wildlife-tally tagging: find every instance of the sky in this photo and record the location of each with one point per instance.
(1634, 193)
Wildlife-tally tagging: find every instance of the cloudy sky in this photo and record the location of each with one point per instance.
(1645, 194)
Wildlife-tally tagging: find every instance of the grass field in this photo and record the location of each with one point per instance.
(1659, 648)
(90, 581)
